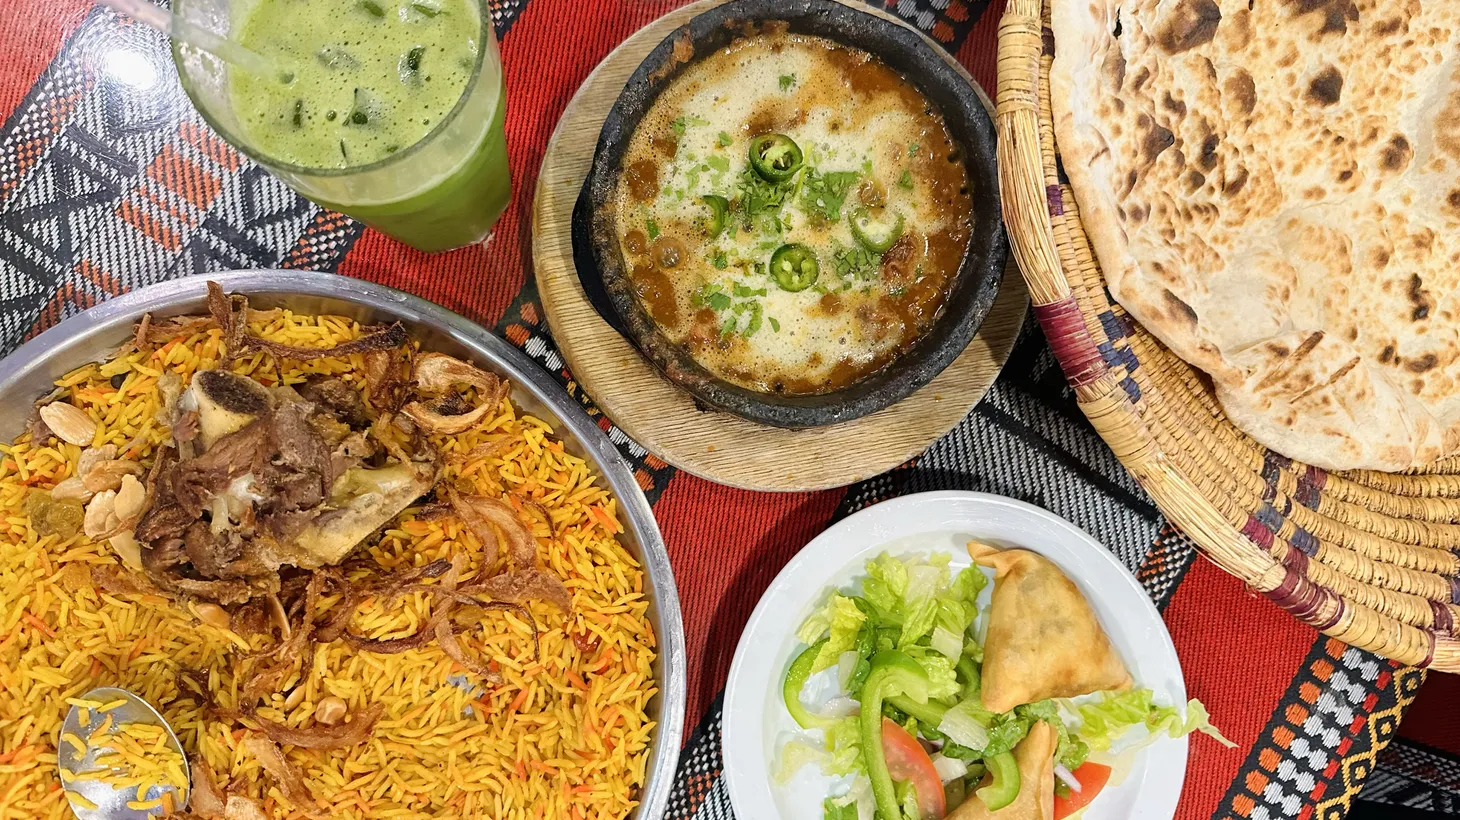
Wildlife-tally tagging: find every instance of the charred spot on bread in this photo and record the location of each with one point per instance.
(1190, 24)
(1326, 87)
(1396, 154)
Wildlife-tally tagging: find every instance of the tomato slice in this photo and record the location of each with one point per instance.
(1092, 777)
(908, 761)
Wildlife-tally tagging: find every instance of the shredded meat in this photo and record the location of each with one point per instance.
(197, 480)
(186, 428)
(340, 399)
(210, 552)
(296, 471)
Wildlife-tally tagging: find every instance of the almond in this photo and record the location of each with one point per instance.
(72, 489)
(69, 423)
(126, 546)
(92, 456)
(330, 711)
(108, 475)
(101, 516)
(215, 615)
(131, 498)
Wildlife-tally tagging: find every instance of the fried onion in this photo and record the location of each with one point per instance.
(435, 422)
(526, 585)
(271, 757)
(206, 799)
(436, 373)
(480, 513)
(232, 314)
(341, 736)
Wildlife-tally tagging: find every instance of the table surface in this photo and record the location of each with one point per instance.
(109, 180)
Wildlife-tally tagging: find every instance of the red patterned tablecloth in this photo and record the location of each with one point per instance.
(109, 180)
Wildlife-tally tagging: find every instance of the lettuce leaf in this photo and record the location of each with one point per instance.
(1105, 720)
(1072, 750)
(885, 586)
(840, 620)
(969, 582)
(942, 681)
(794, 755)
(844, 743)
(1197, 720)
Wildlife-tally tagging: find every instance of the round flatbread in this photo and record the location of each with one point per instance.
(1272, 188)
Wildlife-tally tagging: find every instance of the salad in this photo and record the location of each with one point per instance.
(913, 664)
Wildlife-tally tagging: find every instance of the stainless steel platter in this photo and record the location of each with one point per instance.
(92, 336)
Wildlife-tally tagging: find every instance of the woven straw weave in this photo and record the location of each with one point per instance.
(1365, 557)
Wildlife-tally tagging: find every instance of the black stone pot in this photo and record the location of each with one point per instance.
(605, 277)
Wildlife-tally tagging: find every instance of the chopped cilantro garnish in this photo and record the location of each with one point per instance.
(718, 163)
(787, 80)
(913, 149)
(756, 313)
(759, 199)
(680, 123)
(824, 194)
(712, 297)
(653, 228)
(867, 167)
(855, 263)
(776, 326)
(720, 261)
(906, 180)
(730, 312)
(724, 139)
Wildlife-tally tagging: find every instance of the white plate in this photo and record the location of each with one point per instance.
(756, 721)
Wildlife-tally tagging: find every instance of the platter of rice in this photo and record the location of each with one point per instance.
(366, 559)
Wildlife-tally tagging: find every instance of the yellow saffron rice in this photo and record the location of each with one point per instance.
(566, 737)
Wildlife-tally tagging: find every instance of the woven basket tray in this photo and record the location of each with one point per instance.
(1363, 556)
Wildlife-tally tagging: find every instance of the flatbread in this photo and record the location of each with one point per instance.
(1272, 187)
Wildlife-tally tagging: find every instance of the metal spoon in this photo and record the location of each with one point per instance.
(111, 804)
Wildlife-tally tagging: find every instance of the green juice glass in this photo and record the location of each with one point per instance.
(443, 190)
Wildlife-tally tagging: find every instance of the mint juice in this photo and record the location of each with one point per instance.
(390, 111)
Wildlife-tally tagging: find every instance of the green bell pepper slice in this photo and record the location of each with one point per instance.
(796, 678)
(972, 681)
(929, 714)
(1002, 790)
(893, 673)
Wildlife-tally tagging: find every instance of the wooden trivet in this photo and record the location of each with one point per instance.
(711, 444)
